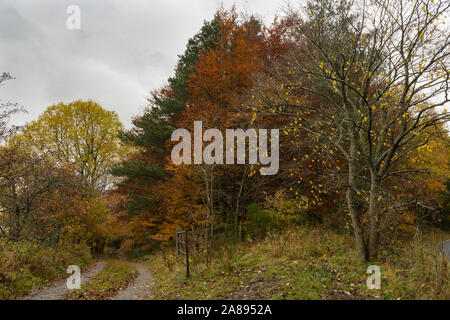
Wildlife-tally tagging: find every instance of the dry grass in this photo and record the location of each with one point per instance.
(305, 263)
(117, 275)
(26, 265)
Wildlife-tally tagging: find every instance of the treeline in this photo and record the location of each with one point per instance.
(54, 175)
(359, 100)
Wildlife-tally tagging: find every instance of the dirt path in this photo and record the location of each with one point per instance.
(59, 289)
(140, 288)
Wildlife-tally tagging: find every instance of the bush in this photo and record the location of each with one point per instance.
(258, 222)
(114, 243)
(286, 211)
(25, 265)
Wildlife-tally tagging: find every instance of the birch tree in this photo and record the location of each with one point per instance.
(369, 83)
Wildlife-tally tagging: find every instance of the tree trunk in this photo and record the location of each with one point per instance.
(56, 237)
(357, 228)
(374, 233)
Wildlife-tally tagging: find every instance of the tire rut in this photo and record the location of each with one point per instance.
(140, 288)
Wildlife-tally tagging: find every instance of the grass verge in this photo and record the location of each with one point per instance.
(305, 264)
(116, 276)
(26, 265)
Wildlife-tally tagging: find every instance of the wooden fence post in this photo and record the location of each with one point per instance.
(182, 241)
(186, 243)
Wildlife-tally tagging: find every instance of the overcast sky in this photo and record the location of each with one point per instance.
(124, 49)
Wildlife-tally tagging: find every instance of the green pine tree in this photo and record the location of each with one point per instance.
(152, 129)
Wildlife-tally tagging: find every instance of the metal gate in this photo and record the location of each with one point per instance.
(182, 241)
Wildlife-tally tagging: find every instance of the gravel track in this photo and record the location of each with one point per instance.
(141, 286)
(58, 290)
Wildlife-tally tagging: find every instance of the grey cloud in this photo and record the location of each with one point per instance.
(123, 50)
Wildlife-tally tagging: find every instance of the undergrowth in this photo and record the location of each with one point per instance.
(305, 263)
(26, 265)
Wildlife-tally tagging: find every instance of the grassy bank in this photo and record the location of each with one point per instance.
(305, 264)
(27, 265)
(117, 275)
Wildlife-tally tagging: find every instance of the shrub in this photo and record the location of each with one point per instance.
(287, 211)
(26, 264)
(258, 222)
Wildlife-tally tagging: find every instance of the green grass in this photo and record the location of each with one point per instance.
(304, 264)
(116, 276)
(26, 265)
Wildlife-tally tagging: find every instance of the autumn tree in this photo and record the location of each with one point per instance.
(24, 184)
(365, 82)
(81, 135)
(221, 76)
(143, 172)
(42, 198)
(7, 109)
